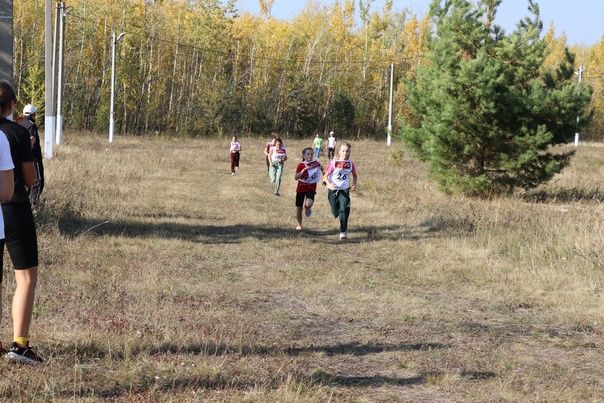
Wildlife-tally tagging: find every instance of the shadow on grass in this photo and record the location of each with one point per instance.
(327, 379)
(72, 226)
(564, 195)
(356, 349)
(95, 351)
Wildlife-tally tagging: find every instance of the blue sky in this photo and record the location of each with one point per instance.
(581, 20)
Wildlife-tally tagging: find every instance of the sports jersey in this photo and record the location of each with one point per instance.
(331, 142)
(318, 142)
(310, 178)
(339, 173)
(235, 147)
(278, 154)
(6, 164)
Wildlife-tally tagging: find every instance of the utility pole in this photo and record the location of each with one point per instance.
(49, 120)
(6, 43)
(114, 42)
(59, 86)
(580, 74)
(389, 139)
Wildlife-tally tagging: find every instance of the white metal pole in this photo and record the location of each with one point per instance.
(580, 72)
(49, 122)
(112, 101)
(389, 140)
(59, 87)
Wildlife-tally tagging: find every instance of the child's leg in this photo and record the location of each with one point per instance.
(344, 209)
(299, 216)
(299, 208)
(332, 197)
(271, 172)
(278, 173)
(309, 202)
(232, 163)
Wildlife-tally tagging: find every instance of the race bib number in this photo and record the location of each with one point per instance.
(341, 174)
(314, 172)
(279, 155)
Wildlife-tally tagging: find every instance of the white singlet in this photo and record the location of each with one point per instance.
(342, 171)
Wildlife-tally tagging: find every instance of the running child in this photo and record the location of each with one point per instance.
(278, 156)
(235, 155)
(331, 146)
(308, 173)
(339, 184)
(317, 144)
(267, 151)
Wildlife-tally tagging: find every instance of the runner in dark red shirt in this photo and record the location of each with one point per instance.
(308, 173)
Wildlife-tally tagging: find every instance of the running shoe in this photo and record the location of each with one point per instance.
(307, 211)
(233, 174)
(277, 194)
(343, 236)
(23, 355)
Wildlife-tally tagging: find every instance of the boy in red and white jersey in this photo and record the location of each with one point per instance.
(308, 173)
(341, 179)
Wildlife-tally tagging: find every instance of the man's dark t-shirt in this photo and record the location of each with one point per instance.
(20, 150)
(33, 132)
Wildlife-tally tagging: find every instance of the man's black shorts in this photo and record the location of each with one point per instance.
(300, 196)
(20, 235)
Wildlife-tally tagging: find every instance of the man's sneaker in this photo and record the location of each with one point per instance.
(277, 194)
(308, 211)
(23, 355)
(343, 236)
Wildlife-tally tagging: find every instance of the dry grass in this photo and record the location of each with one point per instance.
(164, 278)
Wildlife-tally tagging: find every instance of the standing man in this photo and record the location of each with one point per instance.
(331, 145)
(317, 144)
(29, 122)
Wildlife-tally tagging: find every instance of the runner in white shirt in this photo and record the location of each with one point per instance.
(331, 146)
(278, 156)
(341, 179)
(235, 155)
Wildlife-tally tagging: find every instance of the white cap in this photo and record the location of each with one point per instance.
(330, 132)
(29, 109)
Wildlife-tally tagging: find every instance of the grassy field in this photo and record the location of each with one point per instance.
(164, 278)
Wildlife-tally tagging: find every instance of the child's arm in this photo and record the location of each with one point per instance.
(353, 187)
(299, 174)
(328, 183)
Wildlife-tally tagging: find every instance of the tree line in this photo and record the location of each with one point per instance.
(201, 68)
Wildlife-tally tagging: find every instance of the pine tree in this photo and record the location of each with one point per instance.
(488, 114)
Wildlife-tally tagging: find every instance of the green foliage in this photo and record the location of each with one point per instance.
(342, 114)
(488, 113)
(199, 68)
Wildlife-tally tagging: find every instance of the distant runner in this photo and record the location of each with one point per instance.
(317, 144)
(278, 156)
(337, 176)
(331, 145)
(308, 174)
(267, 151)
(235, 155)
